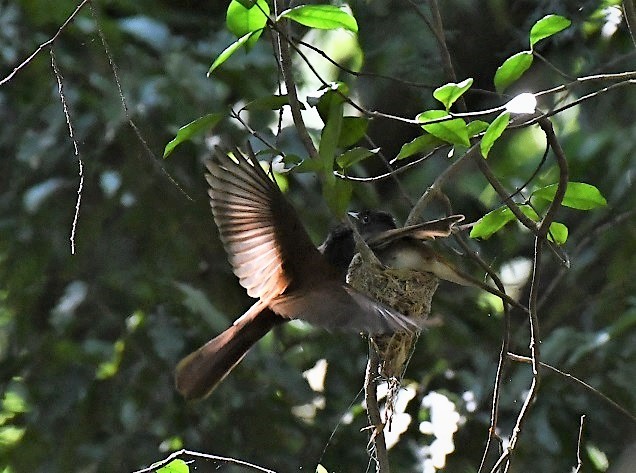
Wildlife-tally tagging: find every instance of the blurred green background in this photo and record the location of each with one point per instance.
(88, 342)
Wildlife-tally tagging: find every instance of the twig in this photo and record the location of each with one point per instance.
(45, 44)
(436, 186)
(534, 347)
(555, 205)
(579, 463)
(373, 411)
(503, 193)
(360, 73)
(287, 73)
(205, 456)
(113, 66)
(574, 379)
(390, 173)
(629, 10)
(78, 202)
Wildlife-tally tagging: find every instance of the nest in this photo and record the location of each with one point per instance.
(407, 291)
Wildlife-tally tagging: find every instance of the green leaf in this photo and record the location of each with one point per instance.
(494, 221)
(197, 127)
(231, 49)
(353, 130)
(330, 135)
(546, 27)
(175, 466)
(452, 131)
(512, 69)
(578, 195)
(491, 223)
(353, 156)
(493, 133)
(597, 457)
(421, 144)
(308, 165)
(326, 96)
(449, 93)
(241, 20)
(558, 233)
(324, 17)
(476, 127)
(337, 194)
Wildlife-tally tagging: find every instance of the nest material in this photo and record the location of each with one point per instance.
(407, 291)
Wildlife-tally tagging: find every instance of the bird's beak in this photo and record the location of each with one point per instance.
(355, 215)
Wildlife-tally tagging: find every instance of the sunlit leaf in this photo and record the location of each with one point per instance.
(241, 20)
(326, 17)
(175, 466)
(493, 133)
(452, 131)
(491, 223)
(231, 49)
(558, 233)
(494, 221)
(449, 93)
(476, 127)
(578, 195)
(546, 27)
(192, 129)
(512, 69)
(597, 457)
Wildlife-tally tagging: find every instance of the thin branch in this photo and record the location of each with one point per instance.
(579, 463)
(436, 186)
(205, 456)
(503, 193)
(555, 205)
(534, 347)
(629, 11)
(386, 175)
(113, 66)
(552, 66)
(360, 73)
(580, 382)
(373, 411)
(49, 42)
(286, 69)
(67, 116)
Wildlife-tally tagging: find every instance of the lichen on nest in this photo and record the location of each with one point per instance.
(407, 291)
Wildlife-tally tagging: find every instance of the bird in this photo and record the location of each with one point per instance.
(276, 262)
(407, 248)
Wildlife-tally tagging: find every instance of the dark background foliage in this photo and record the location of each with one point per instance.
(88, 342)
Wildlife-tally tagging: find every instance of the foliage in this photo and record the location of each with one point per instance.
(88, 342)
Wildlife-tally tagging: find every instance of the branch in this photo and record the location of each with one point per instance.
(113, 66)
(205, 456)
(373, 411)
(67, 116)
(580, 382)
(286, 69)
(579, 463)
(45, 44)
(436, 186)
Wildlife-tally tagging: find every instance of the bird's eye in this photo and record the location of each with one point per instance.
(365, 218)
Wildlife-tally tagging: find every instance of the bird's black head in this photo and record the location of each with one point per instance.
(372, 222)
(339, 247)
